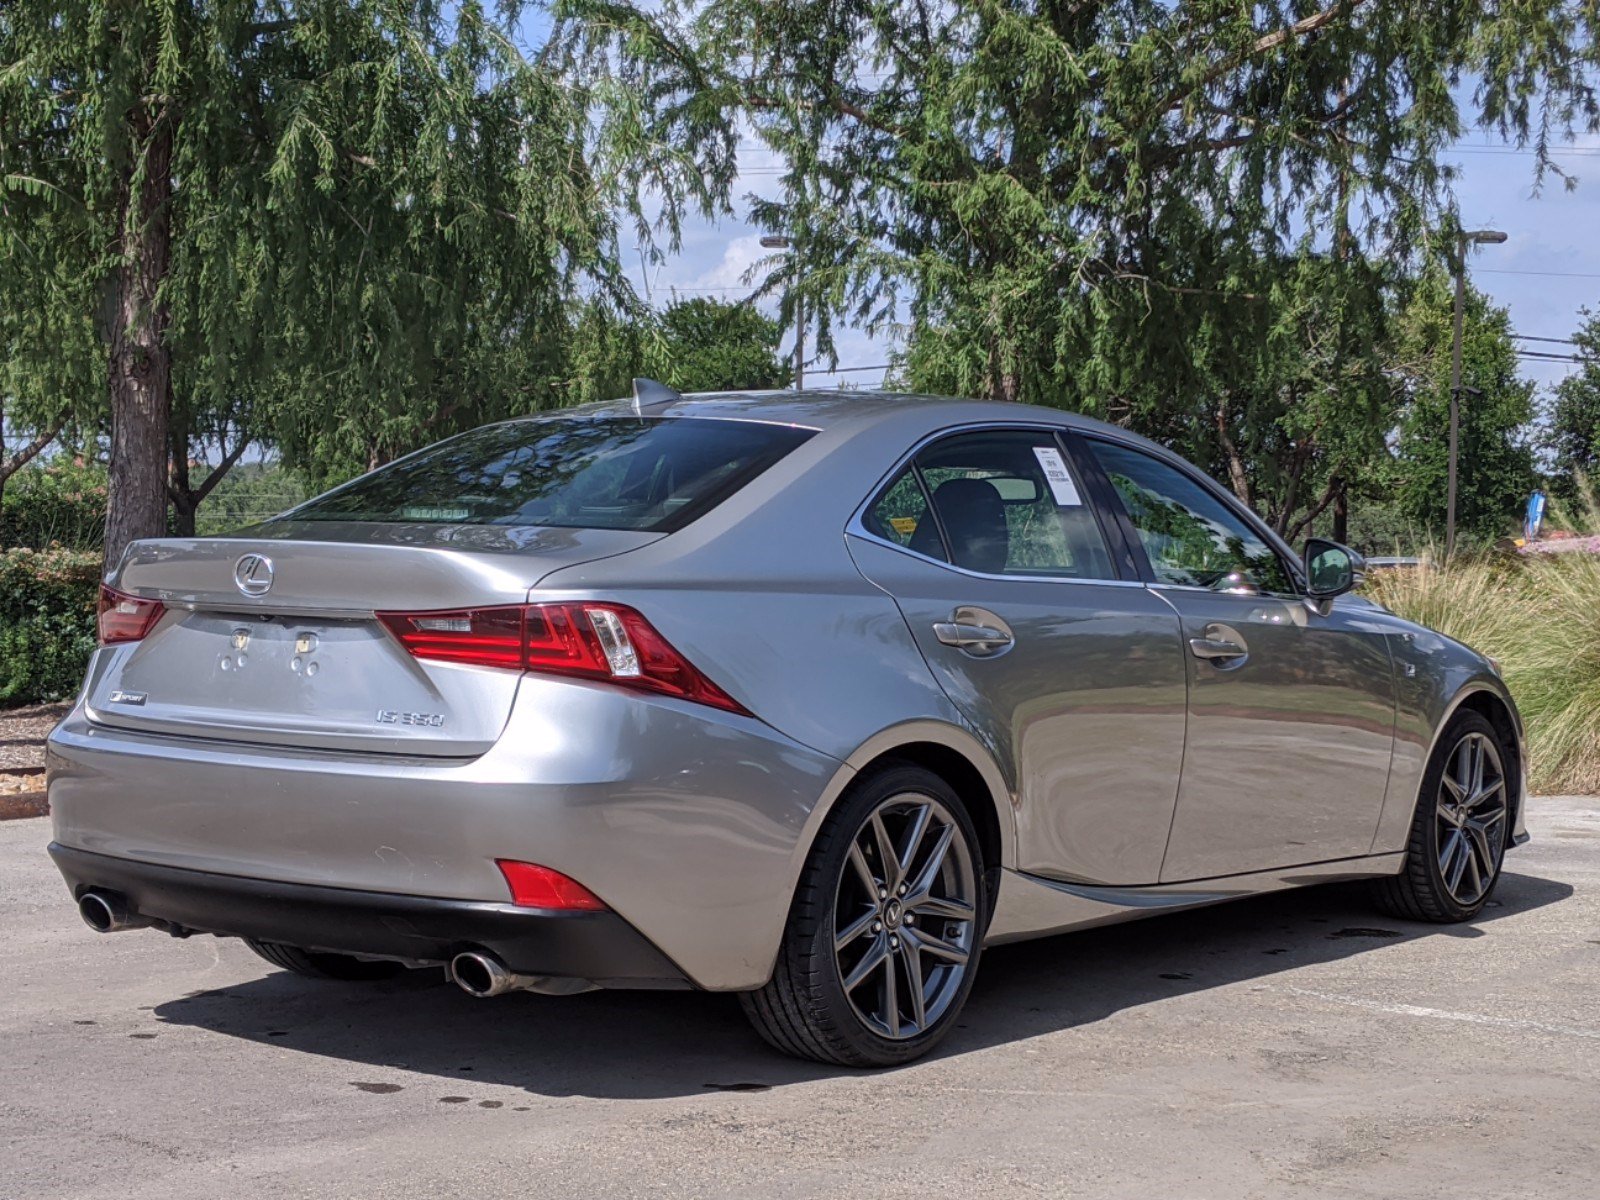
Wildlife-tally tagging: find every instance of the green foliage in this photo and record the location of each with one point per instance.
(60, 501)
(1496, 468)
(1575, 419)
(47, 622)
(251, 493)
(380, 212)
(1188, 218)
(698, 345)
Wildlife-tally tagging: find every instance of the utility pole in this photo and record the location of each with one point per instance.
(778, 242)
(1464, 239)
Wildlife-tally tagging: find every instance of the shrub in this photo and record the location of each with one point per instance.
(47, 622)
(59, 502)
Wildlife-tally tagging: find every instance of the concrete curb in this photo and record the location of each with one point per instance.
(28, 804)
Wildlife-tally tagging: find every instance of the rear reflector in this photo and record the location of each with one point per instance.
(533, 886)
(125, 618)
(609, 642)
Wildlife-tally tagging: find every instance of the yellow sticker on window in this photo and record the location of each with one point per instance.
(905, 526)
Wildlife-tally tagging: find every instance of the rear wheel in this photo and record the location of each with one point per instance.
(1458, 835)
(318, 964)
(884, 935)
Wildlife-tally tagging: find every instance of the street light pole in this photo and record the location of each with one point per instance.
(1477, 237)
(779, 242)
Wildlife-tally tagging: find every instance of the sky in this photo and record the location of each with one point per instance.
(1547, 269)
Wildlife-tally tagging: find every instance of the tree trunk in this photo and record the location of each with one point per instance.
(184, 501)
(140, 363)
(1341, 513)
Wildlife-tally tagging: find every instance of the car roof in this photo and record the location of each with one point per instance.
(854, 409)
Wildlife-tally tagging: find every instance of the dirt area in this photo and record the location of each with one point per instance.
(22, 734)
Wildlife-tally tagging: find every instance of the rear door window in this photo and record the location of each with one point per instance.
(1004, 502)
(653, 475)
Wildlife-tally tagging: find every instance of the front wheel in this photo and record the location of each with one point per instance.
(885, 931)
(1458, 835)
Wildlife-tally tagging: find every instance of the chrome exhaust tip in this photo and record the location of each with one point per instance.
(106, 913)
(482, 975)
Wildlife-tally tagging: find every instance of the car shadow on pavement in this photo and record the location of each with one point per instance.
(636, 1045)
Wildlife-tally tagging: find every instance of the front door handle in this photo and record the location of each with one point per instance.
(1216, 648)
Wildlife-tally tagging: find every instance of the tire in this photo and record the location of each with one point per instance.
(317, 964)
(928, 919)
(1459, 830)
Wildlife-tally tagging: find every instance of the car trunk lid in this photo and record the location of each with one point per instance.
(272, 637)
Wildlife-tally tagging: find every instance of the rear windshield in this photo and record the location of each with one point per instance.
(654, 475)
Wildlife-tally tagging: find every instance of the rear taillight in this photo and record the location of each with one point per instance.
(611, 642)
(125, 618)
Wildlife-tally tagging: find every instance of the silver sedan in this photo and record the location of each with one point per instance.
(808, 697)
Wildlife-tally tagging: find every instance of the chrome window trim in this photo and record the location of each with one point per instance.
(857, 527)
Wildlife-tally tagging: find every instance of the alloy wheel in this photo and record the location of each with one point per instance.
(905, 916)
(1470, 817)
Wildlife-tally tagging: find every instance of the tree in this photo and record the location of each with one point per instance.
(1129, 208)
(1496, 467)
(1575, 420)
(698, 345)
(359, 221)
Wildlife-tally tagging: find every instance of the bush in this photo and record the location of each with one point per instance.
(47, 622)
(59, 502)
(1539, 616)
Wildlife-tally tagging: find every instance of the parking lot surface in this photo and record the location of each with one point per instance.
(1285, 1046)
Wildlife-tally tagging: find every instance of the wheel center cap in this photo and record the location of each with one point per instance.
(891, 913)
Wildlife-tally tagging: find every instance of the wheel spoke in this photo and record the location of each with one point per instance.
(1469, 862)
(891, 996)
(855, 929)
(876, 953)
(1457, 793)
(1448, 851)
(929, 875)
(1482, 851)
(886, 854)
(938, 947)
(1495, 791)
(1462, 854)
(916, 829)
(913, 960)
(943, 906)
(863, 871)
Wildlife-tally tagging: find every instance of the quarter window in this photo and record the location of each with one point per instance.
(1190, 536)
(1004, 502)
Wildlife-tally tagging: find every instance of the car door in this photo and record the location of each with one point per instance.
(1291, 709)
(1060, 660)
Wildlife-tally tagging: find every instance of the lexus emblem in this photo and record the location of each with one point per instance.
(252, 574)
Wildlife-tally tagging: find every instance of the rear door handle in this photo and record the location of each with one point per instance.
(1216, 648)
(980, 640)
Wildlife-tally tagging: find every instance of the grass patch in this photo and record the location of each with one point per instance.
(1539, 616)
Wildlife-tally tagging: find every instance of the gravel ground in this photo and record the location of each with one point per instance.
(22, 734)
(1296, 1046)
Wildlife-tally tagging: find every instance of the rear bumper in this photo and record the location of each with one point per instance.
(596, 946)
(687, 822)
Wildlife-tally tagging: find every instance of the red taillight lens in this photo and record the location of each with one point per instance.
(592, 641)
(533, 886)
(125, 618)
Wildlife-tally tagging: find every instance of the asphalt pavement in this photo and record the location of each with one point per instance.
(1290, 1046)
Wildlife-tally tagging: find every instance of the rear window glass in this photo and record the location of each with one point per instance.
(653, 475)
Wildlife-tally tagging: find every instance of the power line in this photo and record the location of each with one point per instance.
(1551, 274)
(1530, 337)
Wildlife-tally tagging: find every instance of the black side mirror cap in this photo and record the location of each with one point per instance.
(1331, 569)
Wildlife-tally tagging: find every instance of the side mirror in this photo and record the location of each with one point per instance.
(1331, 569)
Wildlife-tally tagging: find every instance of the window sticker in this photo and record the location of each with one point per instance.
(904, 526)
(1057, 475)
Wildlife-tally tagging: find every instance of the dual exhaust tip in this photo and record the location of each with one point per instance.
(474, 972)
